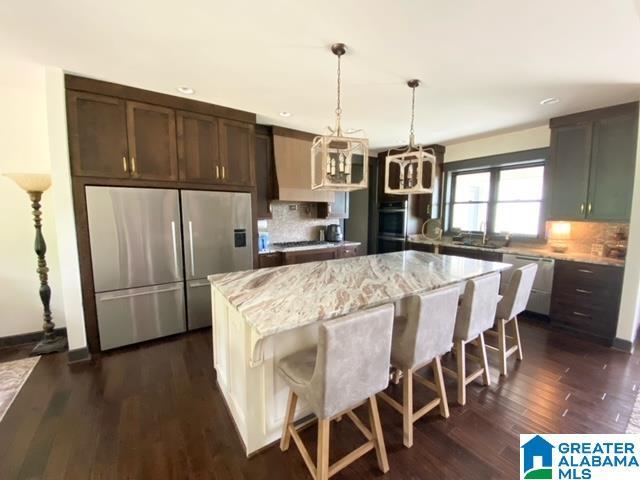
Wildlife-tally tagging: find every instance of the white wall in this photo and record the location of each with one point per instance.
(24, 147)
(515, 141)
(629, 315)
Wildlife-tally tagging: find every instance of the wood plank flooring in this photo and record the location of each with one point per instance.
(154, 412)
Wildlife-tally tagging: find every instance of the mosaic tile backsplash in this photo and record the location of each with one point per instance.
(585, 234)
(289, 225)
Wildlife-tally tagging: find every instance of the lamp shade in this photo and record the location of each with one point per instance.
(560, 231)
(31, 182)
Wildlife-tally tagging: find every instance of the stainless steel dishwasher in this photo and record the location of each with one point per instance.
(540, 299)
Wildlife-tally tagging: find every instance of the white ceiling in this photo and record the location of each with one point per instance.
(485, 64)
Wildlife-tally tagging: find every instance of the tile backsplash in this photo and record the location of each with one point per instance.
(585, 234)
(294, 222)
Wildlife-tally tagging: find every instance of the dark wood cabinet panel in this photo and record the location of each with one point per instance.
(349, 251)
(272, 259)
(568, 172)
(421, 247)
(337, 209)
(265, 174)
(152, 142)
(237, 144)
(304, 256)
(97, 135)
(198, 147)
(612, 168)
(586, 297)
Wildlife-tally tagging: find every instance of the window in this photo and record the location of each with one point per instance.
(500, 199)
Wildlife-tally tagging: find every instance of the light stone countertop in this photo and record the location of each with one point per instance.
(277, 299)
(542, 251)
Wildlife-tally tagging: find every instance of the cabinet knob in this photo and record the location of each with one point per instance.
(582, 208)
(133, 165)
(217, 172)
(223, 173)
(589, 208)
(124, 164)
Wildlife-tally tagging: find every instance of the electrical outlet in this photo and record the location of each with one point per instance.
(293, 207)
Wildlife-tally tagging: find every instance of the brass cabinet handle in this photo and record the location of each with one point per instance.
(133, 165)
(582, 208)
(589, 208)
(124, 164)
(584, 270)
(223, 173)
(217, 171)
(270, 207)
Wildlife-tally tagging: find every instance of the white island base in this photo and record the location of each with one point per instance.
(255, 395)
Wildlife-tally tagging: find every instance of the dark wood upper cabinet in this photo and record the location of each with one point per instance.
(568, 173)
(198, 148)
(265, 172)
(612, 168)
(237, 145)
(152, 142)
(592, 164)
(97, 135)
(337, 209)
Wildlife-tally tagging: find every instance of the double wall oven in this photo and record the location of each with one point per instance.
(392, 226)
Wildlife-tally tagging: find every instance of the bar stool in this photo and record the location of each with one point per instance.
(513, 303)
(476, 314)
(347, 369)
(420, 339)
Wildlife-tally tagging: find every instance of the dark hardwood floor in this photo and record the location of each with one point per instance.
(154, 412)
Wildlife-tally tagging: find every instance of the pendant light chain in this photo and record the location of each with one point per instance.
(413, 115)
(339, 94)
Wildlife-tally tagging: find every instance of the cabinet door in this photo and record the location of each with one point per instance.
(613, 161)
(337, 209)
(568, 175)
(198, 148)
(237, 152)
(97, 135)
(264, 175)
(152, 142)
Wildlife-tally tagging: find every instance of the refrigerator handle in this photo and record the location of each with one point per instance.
(175, 247)
(193, 269)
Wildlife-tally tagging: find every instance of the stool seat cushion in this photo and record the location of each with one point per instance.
(297, 369)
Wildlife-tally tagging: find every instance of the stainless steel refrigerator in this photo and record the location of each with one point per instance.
(137, 237)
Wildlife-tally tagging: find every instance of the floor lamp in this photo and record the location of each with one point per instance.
(35, 184)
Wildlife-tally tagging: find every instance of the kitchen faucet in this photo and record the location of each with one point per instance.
(483, 227)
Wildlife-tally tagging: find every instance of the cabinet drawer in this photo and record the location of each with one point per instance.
(572, 276)
(597, 322)
(349, 251)
(273, 259)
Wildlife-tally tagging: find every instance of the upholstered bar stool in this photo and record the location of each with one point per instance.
(347, 369)
(476, 314)
(513, 303)
(420, 338)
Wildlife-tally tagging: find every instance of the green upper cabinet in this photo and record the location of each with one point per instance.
(592, 164)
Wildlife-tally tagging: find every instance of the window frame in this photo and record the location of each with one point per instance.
(494, 165)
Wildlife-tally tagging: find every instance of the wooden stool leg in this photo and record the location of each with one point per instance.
(407, 408)
(462, 376)
(502, 346)
(288, 420)
(517, 331)
(485, 364)
(439, 378)
(322, 462)
(378, 438)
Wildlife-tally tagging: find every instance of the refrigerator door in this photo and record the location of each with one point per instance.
(135, 237)
(217, 232)
(199, 303)
(134, 315)
(217, 239)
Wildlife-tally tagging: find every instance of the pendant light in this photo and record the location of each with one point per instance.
(339, 163)
(413, 170)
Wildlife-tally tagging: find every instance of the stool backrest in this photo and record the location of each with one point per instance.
(431, 318)
(353, 360)
(478, 308)
(516, 296)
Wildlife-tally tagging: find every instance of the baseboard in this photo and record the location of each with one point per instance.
(26, 338)
(78, 355)
(623, 345)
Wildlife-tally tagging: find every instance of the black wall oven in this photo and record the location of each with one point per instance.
(392, 226)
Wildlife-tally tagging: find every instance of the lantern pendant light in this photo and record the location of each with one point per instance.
(339, 163)
(413, 170)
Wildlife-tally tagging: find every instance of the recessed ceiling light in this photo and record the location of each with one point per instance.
(186, 90)
(285, 114)
(550, 101)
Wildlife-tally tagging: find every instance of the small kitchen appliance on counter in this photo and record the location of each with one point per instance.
(334, 233)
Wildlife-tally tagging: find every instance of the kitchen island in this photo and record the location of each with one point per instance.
(260, 316)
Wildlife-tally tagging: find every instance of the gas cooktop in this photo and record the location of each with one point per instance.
(305, 243)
